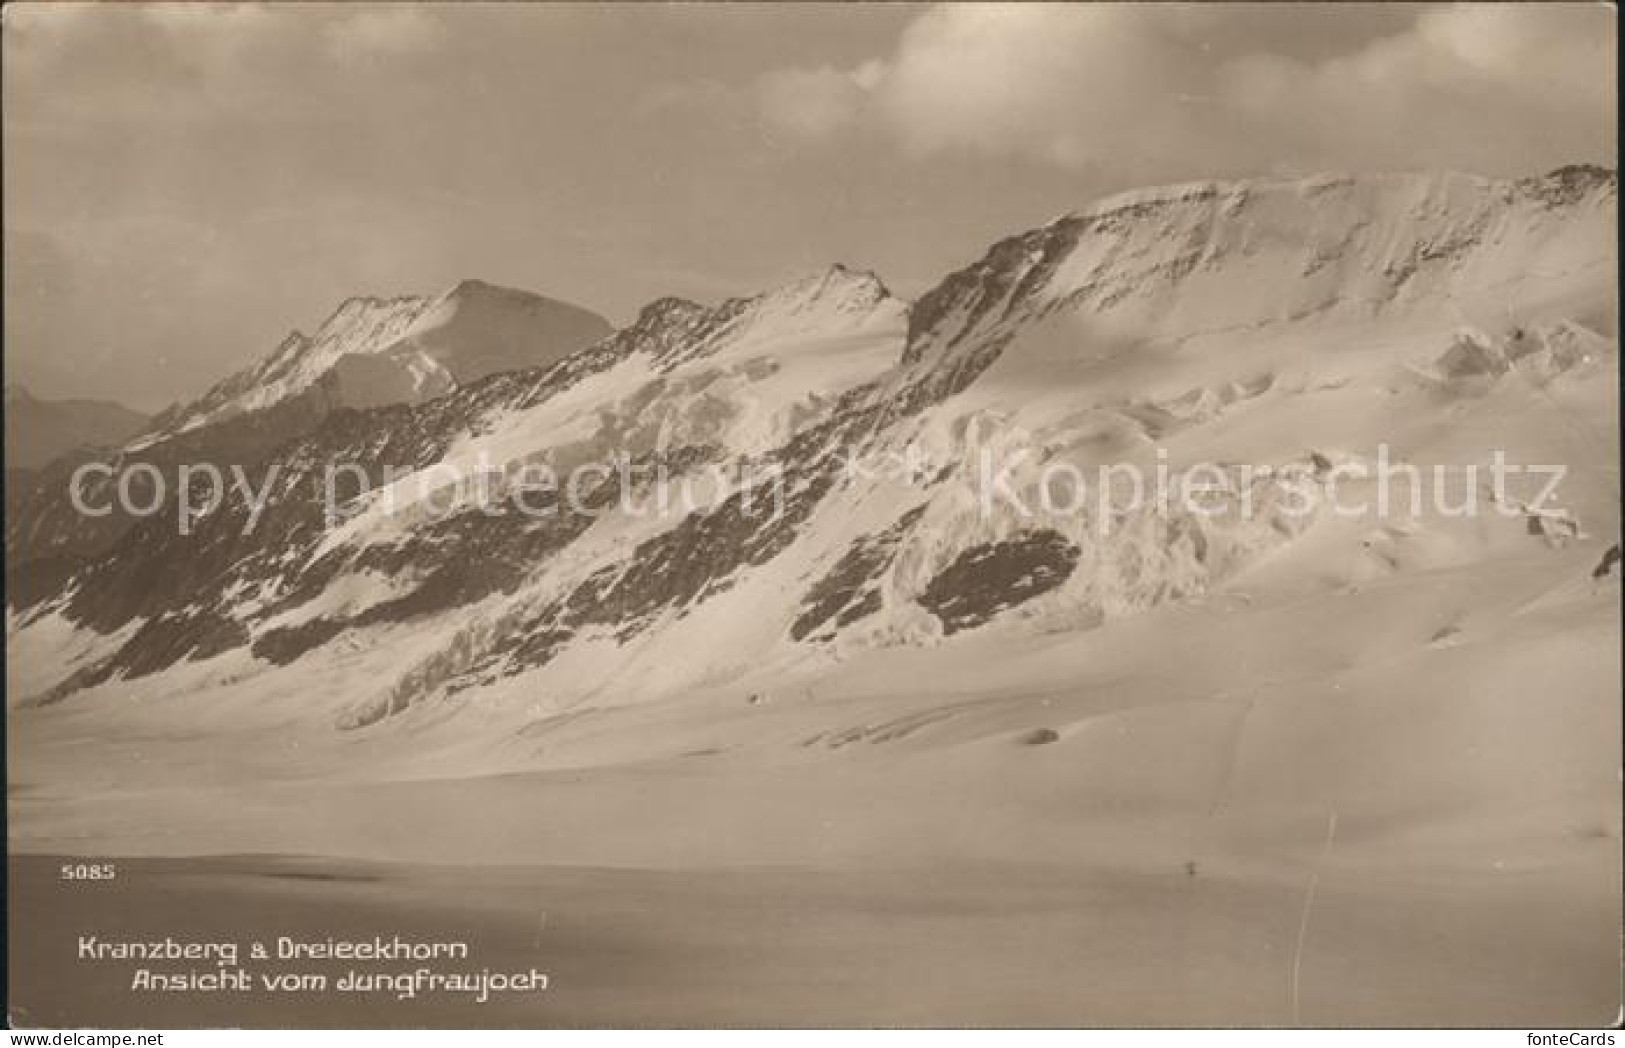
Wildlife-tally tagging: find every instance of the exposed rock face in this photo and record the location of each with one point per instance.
(985, 580)
(851, 589)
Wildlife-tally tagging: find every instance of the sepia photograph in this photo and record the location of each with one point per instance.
(780, 516)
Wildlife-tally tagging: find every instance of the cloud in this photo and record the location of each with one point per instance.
(384, 31)
(815, 103)
(706, 98)
(1124, 88)
(1482, 83)
(1027, 79)
(86, 60)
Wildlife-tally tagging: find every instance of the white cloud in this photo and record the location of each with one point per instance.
(814, 103)
(1034, 79)
(393, 30)
(1500, 88)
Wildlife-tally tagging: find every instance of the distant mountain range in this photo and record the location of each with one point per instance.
(38, 431)
(370, 352)
(1291, 322)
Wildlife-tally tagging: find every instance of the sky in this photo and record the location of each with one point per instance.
(185, 184)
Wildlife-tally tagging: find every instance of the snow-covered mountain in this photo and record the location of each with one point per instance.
(399, 350)
(942, 642)
(1292, 325)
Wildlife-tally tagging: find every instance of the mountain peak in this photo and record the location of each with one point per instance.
(836, 287)
(475, 288)
(840, 273)
(1569, 184)
(472, 330)
(663, 310)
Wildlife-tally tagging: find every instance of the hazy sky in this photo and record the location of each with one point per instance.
(185, 184)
